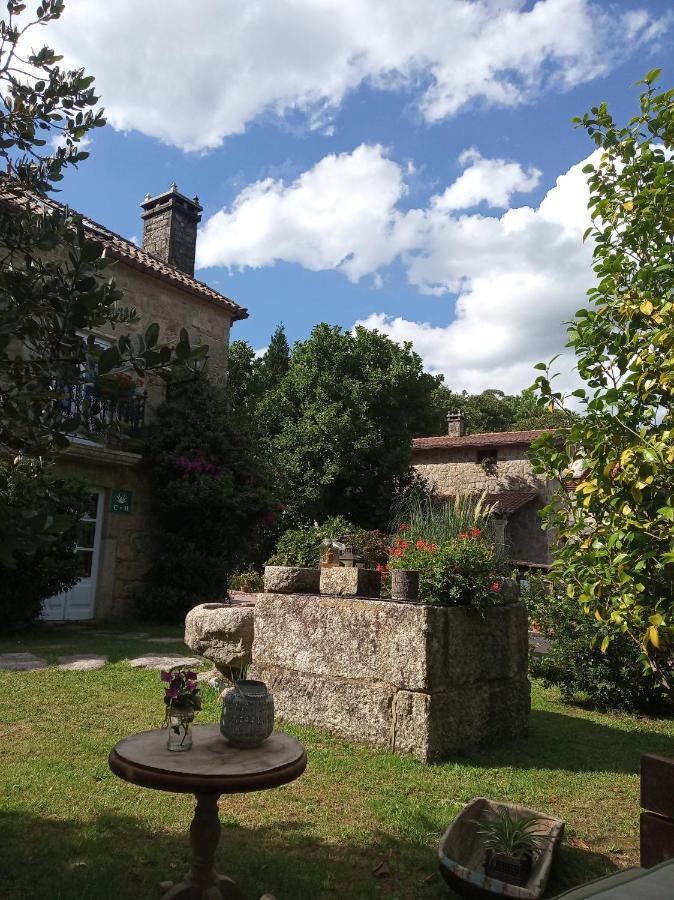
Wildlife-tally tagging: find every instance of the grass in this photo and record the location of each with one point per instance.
(71, 829)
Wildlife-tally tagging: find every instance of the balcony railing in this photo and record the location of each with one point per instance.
(122, 417)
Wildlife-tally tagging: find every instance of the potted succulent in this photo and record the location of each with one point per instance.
(182, 699)
(511, 842)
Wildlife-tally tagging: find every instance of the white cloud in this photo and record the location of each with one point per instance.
(337, 215)
(59, 140)
(191, 75)
(517, 277)
(508, 279)
(491, 180)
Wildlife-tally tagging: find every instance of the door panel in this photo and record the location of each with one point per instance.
(79, 601)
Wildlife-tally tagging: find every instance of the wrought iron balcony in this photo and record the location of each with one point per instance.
(120, 417)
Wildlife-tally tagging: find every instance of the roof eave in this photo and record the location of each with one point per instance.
(236, 312)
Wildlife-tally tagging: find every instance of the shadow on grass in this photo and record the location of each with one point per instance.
(575, 744)
(120, 857)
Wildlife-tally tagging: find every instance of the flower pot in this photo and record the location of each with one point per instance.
(180, 719)
(404, 584)
(512, 869)
(247, 714)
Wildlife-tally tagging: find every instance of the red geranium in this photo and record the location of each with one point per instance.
(463, 535)
(496, 586)
(421, 545)
(403, 527)
(476, 532)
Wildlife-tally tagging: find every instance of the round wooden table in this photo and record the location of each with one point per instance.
(211, 768)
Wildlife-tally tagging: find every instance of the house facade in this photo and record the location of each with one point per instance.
(158, 280)
(497, 465)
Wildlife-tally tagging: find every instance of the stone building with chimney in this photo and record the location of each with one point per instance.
(497, 465)
(158, 280)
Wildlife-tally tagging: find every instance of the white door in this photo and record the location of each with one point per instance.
(78, 602)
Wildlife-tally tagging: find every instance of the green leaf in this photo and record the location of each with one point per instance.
(108, 360)
(652, 76)
(152, 334)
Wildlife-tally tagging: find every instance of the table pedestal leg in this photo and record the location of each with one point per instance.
(202, 882)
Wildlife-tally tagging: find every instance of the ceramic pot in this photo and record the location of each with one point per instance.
(247, 714)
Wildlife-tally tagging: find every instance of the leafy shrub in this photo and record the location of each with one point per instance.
(30, 493)
(431, 519)
(210, 498)
(302, 546)
(452, 545)
(461, 570)
(575, 664)
(250, 582)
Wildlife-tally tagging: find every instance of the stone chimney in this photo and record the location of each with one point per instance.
(456, 424)
(170, 228)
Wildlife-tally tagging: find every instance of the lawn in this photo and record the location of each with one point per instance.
(71, 829)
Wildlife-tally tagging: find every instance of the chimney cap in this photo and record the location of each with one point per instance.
(456, 424)
(169, 198)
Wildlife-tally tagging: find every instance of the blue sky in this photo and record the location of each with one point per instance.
(327, 142)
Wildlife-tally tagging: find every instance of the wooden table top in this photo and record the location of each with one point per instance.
(212, 766)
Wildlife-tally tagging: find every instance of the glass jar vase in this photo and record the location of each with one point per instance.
(180, 719)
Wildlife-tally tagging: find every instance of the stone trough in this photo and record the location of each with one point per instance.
(427, 680)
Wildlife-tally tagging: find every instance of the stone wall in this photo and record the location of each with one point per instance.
(431, 681)
(454, 470)
(125, 538)
(158, 301)
(524, 535)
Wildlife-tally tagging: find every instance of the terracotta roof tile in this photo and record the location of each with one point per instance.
(117, 247)
(486, 439)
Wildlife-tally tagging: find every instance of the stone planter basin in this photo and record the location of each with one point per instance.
(426, 680)
(291, 580)
(223, 633)
(461, 854)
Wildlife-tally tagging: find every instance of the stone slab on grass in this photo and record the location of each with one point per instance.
(131, 635)
(163, 661)
(165, 640)
(22, 662)
(81, 662)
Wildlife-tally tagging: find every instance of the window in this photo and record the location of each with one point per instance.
(487, 456)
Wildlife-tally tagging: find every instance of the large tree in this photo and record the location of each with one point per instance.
(337, 426)
(494, 410)
(616, 553)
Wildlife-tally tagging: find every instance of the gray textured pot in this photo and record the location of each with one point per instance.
(247, 714)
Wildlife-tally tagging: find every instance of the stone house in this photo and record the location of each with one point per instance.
(158, 280)
(495, 464)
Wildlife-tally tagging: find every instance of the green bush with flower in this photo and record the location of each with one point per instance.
(302, 546)
(453, 548)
